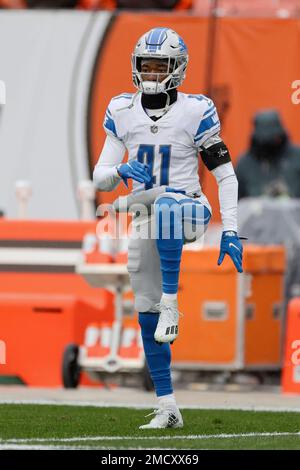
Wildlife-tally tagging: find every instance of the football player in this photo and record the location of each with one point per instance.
(164, 132)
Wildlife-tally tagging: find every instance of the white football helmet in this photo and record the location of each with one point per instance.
(160, 43)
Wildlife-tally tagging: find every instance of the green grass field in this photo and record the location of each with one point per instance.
(44, 426)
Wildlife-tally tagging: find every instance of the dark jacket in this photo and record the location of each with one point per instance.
(278, 174)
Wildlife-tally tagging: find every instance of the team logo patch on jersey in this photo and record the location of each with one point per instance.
(154, 129)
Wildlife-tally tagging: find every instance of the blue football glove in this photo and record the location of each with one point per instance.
(135, 170)
(231, 245)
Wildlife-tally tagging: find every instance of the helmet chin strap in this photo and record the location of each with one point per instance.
(167, 105)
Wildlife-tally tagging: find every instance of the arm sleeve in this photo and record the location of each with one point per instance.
(105, 174)
(228, 195)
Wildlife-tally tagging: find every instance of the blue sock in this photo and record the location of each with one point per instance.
(158, 356)
(169, 241)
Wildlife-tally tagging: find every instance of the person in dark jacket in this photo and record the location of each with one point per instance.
(271, 166)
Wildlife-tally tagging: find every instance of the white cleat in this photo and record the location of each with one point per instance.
(167, 326)
(164, 418)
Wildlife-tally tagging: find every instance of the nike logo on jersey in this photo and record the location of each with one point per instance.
(232, 244)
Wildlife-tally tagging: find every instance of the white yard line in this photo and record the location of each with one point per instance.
(43, 447)
(149, 406)
(39, 447)
(142, 438)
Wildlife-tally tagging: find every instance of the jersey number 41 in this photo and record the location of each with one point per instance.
(146, 154)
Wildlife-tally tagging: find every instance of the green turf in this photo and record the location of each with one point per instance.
(50, 421)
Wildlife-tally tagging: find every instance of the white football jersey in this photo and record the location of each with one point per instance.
(170, 145)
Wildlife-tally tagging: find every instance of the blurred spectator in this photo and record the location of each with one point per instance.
(271, 166)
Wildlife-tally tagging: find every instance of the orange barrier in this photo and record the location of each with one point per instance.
(44, 304)
(36, 328)
(44, 230)
(231, 320)
(291, 366)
